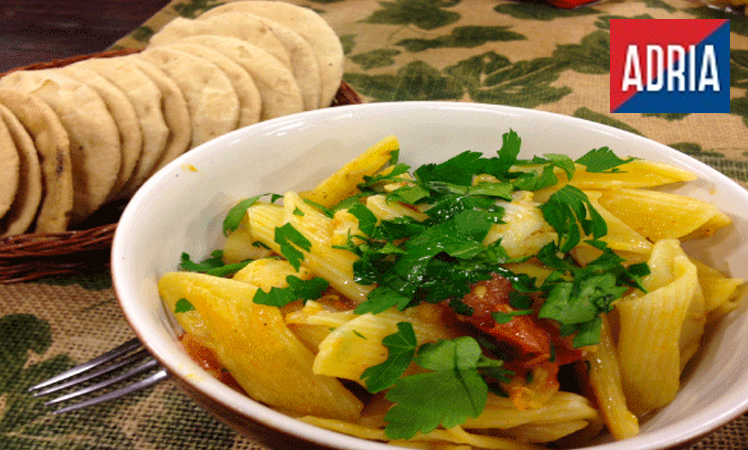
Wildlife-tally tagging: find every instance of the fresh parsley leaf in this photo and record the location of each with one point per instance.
(409, 194)
(588, 333)
(324, 210)
(367, 221)
(211, 266)
(381, 299)
(401, 346)
(566, 210)
(236, 214)
(602, 160)
(502, 317)
(307, 289)
(509, 151)
(499, 190)
(577, 305)
(215, 260)
(457, 170)
(297, 289)
(276, 296)
(453, 391)
(536, 180)
(563, 162)
(182, 306)
(391, 176)
(288, 237)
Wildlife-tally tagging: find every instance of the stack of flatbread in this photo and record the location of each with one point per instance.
(78, 137)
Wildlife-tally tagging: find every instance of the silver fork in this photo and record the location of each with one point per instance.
(130, 356)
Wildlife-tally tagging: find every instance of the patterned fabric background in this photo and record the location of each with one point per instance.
(513, 53)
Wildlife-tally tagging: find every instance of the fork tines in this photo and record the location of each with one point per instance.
(130, 355)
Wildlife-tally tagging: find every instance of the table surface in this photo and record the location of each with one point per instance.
(514, 53)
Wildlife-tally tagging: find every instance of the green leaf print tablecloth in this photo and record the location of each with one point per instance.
(512, 53)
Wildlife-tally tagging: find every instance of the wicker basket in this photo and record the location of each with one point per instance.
(32, 256)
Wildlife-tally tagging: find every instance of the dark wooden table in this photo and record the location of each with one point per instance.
(43, 30)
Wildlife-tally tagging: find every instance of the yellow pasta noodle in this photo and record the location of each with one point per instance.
(252, 340)
(638, 173)
(605, 379)
(342, 183)
(651, 327)
(660, 215)
(720, 292)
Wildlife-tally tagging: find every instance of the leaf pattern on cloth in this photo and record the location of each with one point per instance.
(467, 36)
(540, 11)
(426, 14)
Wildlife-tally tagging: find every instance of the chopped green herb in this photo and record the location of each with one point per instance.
(602, 160)
(236, 214)
(506, 317)
(211, 266)
(182, 306)
(566, 210)
(402, 347)
(456, 370)
(297, 289)
(288, 237)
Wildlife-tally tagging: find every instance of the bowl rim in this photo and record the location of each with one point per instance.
(273, 419)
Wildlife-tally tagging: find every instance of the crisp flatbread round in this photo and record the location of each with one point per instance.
(94, 140)
(53, 149)
(123, 113)
(303, 61)
(29, 195)
(146, 98)
(250, 103)
(277, 86)
(311, 26)
(211, 99)
(9, 169)
(175, 111)
(237, 26)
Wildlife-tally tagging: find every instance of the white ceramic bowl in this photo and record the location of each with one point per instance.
(182, 206)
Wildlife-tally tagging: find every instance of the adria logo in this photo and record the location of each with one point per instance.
(670, 66)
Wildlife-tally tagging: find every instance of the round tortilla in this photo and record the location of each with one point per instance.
(303, 61)
(238, 26)
(95, 150)
(311, 26)
(53, 149)
(250, 103)
(9, 169)
(123, 113)
(211, 99)
(175, 111)
(29, 195)
(145, 97)
(277, 86)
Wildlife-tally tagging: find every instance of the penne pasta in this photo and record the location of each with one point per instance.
(651, 326)
(342, 184)
(605, 379)
(659, 215)
(440, 309)
(252, 340)
(720, 292)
